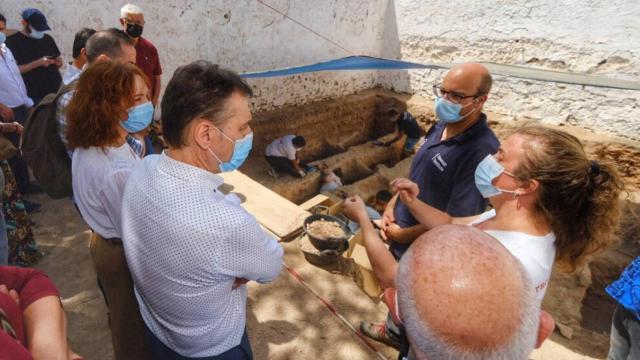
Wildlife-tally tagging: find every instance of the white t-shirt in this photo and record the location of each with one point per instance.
(98, 178)
(282, 147)
(536, 253)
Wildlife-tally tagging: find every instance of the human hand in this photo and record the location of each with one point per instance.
(388, 218)
(407, 190)
(12, 293)
(354, 209)
(44, 62)
(6, 113)
(57, 61)
(11, 127)
(239, 282)
(393, 232)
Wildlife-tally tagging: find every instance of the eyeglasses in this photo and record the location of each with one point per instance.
(141, 23)
(453, 96)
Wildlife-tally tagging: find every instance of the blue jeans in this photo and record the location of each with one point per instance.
(160, 351)
(411, 143)
(625, 335)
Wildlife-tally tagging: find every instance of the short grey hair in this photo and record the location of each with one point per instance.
(426, 341)
(129, 9)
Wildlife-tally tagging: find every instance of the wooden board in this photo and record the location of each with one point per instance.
(277, 214)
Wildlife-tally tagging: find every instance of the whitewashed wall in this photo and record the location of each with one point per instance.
(584, 36)
(592, 37)
(243, 35)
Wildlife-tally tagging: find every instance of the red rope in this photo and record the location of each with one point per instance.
(333, 310)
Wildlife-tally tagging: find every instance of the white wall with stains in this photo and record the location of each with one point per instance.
(583, 36)
(599, 38)
(244, 35)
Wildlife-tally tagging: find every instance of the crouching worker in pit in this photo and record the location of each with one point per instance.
(111, 98)
(191, 249)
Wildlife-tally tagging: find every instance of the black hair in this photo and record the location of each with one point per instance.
(338, 172)
(197, 90)
(107, 42)
(384, 196)
(299, 142)
(80, 41)
(3, 19)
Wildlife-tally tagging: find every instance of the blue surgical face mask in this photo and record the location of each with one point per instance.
(36, 34)
(3, 37)
(241, 149)
(447, 111)
(487, 170)
(139, 117)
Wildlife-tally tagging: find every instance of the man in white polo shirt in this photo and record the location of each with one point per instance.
(281, 154)
(191, 249)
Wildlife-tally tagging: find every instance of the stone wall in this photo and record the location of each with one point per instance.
(590, 37)
(244, 35)
(587, 37)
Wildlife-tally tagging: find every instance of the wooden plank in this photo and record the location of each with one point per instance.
(316, 200)
(277, 214)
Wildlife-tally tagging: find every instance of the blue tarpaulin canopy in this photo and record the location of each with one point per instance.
(372, 63)
(347, 63)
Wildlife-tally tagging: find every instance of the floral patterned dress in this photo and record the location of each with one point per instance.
(23, 250)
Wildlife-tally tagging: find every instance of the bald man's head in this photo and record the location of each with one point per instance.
(461, 294)
(476, 75)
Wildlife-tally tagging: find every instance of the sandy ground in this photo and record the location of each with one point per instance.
(284, 320)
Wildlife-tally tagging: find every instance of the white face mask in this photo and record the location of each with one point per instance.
(3, 37)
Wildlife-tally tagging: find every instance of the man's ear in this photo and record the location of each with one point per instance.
(122, 21)
(482, 99)
(202, 134)
(546, 327)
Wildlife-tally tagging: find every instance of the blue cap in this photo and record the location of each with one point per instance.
(35, 18)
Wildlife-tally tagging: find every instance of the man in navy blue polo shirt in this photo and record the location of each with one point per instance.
(445, 164)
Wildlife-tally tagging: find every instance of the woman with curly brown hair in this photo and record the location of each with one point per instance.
(110, 97)
(111, 101)
(551, 203)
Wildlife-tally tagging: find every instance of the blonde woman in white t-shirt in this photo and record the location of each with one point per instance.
(550, 204)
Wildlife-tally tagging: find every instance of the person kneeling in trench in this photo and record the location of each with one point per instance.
(282, 155)
(407, 125)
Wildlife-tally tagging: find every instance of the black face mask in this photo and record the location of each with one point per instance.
(134, 30)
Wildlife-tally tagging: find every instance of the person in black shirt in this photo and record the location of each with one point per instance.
(407, 125)
(37, 55)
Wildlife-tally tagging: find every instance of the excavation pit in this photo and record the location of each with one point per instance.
(339, 133)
